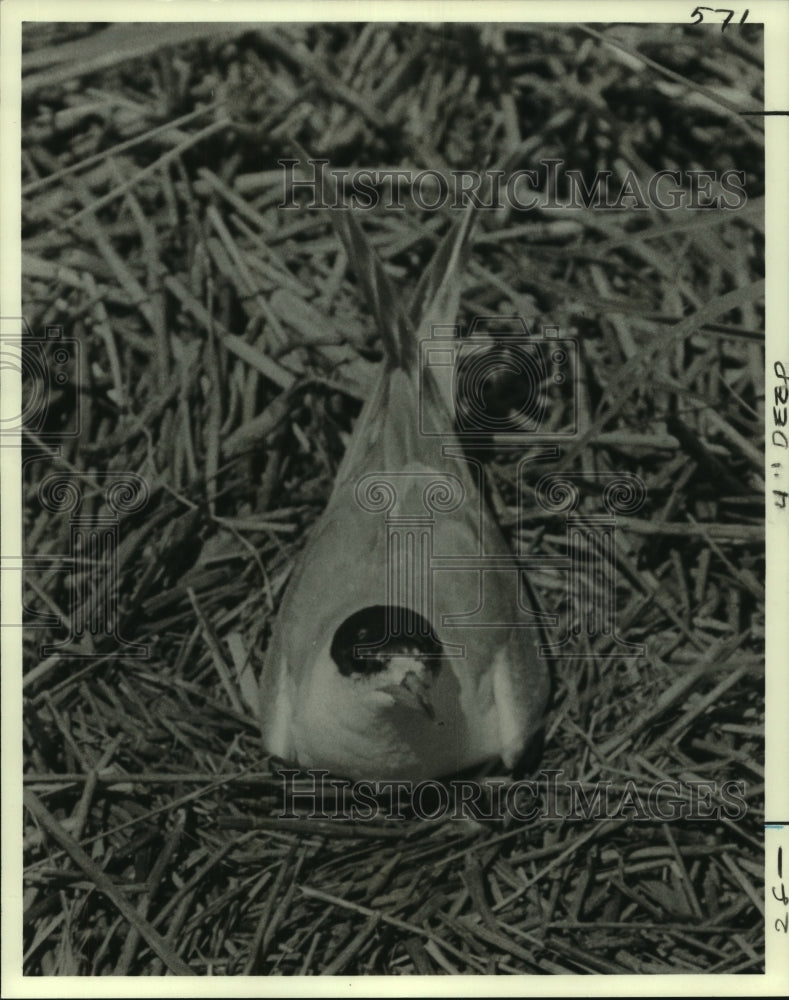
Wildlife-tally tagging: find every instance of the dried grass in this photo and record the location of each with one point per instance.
(225, 350)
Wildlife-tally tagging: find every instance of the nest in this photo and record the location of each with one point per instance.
(223, 353)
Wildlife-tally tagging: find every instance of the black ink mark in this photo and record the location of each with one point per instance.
(718, 10)
(764, 114)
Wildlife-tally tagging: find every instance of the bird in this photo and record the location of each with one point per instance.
(362, 675)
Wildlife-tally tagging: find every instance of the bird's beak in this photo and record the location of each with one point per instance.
(413, 693)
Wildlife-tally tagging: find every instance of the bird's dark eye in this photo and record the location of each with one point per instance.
(368, 639)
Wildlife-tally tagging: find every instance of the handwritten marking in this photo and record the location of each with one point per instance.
(718, 10)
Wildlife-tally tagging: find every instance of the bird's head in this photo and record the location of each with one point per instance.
(391, 655)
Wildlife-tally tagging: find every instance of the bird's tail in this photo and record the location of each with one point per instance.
(391, 320)
(435, 300)
(407, 401)
(388, 426)
(437, 295)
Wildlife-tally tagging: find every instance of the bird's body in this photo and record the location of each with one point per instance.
(434, 698)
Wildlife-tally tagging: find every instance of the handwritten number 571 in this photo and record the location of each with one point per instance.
(697, 13)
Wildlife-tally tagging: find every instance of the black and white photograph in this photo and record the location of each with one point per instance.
(389, 438)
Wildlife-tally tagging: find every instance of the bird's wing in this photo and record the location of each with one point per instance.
(277, 693)
(521, 688)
